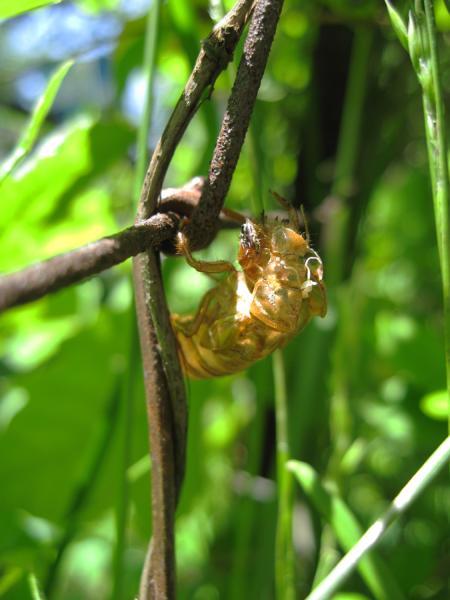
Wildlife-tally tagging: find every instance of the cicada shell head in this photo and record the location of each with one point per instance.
(254, 251)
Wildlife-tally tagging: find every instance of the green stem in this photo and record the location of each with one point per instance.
(246, 517)
(284, 554)
(151, 41)
(435, 128)
(127, 402)
(33, 584)
(373, 535)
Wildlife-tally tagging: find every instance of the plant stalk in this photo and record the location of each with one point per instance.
(420, 480)
(284, 553)
(435, 128)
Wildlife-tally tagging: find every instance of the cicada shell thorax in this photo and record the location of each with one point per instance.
(289, 290)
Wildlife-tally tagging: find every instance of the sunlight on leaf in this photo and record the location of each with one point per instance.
(11, 8)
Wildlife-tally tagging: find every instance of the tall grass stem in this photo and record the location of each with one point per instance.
(127, 406)
(150, 51)
(284, 552)
(420, 480)
(435, 128)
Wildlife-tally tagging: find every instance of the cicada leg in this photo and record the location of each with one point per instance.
(204, 266)
(191, 327)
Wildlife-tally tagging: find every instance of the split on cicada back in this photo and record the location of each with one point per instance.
(258, 309)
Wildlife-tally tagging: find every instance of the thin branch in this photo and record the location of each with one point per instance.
(72, 267)
(164, 384)
(203, 225)
(216, 52)
(123, 507)
(63, 270)
(158, 577)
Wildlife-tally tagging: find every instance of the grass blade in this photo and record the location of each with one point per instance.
(151, 40)
(357, 556)
(35, 591)
(38, 116)
(435, 127)
(422, 49)
(347, 530)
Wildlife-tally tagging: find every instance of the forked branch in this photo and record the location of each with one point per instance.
(163, 378)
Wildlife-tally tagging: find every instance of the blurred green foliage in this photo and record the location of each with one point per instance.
(365, 385)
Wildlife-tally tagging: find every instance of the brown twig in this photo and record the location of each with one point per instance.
(158, 576)
(216, 52)
(72, 267)
(203, 225)
(166, 401)
(164, 375)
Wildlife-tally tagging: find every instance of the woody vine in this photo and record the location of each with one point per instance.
(158, 219)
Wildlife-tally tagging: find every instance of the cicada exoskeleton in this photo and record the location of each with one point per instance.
(255, 310)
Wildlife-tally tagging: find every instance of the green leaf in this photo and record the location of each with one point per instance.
(50, 204)
(398, 25)
(40, 111)
(66, 404)
(347, 530)
(11, 8)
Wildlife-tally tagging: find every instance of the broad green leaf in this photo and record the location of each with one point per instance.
(38, 115)
(347, 530)
(49, 204)
(11, 8)
(67, 399)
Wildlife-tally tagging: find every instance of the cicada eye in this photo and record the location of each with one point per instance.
(249, 236)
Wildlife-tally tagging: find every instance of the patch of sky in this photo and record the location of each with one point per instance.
(38, 39)
(62, 31)
(30, 86)
(89, 84)
(133, 101)
(35, 41)
(133, 9)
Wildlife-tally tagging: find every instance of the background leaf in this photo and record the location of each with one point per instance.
(10, 8)
(40, 111)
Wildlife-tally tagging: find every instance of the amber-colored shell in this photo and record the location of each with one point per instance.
(254, 311)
